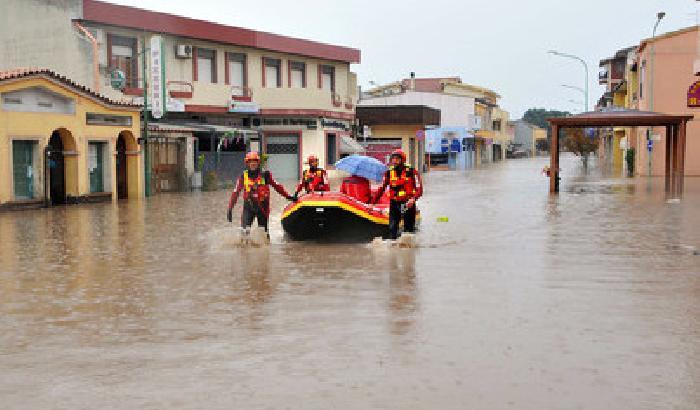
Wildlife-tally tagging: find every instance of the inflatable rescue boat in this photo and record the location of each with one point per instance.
(344, 216)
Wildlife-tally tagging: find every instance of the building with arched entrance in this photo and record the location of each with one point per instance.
(63, 143)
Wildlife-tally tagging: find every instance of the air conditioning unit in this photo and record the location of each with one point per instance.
(183, 51)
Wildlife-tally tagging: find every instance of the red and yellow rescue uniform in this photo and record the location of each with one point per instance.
(255, 186)
(404, 184)
(313, 180)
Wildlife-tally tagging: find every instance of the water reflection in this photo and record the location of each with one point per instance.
(594, 292)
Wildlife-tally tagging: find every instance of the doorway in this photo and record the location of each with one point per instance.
(57, 169)
(122, 174)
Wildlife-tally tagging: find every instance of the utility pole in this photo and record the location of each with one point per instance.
(650, 147)
(585, 67)
(146, 156)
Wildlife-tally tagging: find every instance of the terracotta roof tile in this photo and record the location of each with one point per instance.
(18, 73)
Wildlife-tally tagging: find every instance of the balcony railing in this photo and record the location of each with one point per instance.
(184, 89)
(336, 100)
(241, 93)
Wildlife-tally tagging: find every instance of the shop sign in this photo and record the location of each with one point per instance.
(157, 86)
(335, 124)
(245, 107)
(694, 95)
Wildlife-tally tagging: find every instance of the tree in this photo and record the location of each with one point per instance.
(576, 141)
(538, 117)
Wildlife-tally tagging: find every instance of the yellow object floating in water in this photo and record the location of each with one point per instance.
(443, 219)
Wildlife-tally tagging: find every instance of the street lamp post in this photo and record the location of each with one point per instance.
(659, 16)
(585, 66)
(579, 89)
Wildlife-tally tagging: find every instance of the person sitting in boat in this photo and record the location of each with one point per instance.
(405, 187)
(255, 185)
(314, 179)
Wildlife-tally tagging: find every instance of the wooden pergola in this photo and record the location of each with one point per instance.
(675, 139)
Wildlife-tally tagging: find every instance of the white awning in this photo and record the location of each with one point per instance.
(348, 145)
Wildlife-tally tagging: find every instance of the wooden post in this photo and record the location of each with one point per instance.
(554, 160)
(670, 130)
(674, 163)
(681, 157)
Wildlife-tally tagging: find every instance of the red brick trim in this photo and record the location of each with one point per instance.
(264, 80)
(308, 113)
(205, 108)
(133, 91)
(181, 94)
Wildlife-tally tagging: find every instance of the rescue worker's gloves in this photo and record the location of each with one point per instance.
(290, 198)
(295, 197)
(229, 215)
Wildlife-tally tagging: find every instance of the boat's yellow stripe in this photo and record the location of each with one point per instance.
(336, 204)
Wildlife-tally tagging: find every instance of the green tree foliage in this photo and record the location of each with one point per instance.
(576, 141)
(538, 116)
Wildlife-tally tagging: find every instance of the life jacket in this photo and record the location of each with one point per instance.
(255, 188)
(401, 184)
(314, 181)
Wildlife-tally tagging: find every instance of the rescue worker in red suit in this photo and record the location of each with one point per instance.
(405, 187)
(255, 185)
(314, 179)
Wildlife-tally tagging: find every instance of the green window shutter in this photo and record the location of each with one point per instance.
(23, 169)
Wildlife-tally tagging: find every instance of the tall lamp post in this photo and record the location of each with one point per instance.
(580, 60)
(579, 89)
(659, 16)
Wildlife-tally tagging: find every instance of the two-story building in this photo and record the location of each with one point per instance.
(656, 75)
(233, 89)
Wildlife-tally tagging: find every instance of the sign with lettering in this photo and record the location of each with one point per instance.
(157, 86)
(246, 107)
(694, 95)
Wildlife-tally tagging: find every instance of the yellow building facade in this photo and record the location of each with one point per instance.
(62, 143)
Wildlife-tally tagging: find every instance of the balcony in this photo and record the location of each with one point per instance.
(336, 100)
(243, 94)
(182, 89)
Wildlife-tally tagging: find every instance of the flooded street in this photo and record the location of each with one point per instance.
(588, 300)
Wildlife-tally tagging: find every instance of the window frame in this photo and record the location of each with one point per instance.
(239, 58)
(271, 62)
(293, 65)
(322, 68)
(132, 80)
(196, 55)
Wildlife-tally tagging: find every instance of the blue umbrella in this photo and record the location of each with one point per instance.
(362, 166)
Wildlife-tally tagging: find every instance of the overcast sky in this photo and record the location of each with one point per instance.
(500, 44)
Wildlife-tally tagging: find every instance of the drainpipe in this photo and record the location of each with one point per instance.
(95, 56)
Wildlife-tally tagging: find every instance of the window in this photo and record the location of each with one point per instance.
(122, 56)
(297, 74)
(497, 125)
(236, 72)
(327, 77)
(331, 149)
(206, 65)
(272, 77)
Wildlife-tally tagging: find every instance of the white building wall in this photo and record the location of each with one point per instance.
(455, 111)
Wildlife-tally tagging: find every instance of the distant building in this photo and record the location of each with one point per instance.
(393, 127)
(526, 136)
(468, 113)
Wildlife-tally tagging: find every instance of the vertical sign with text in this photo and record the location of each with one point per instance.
(157, 85)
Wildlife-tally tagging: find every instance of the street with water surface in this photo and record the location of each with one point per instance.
(589, 299)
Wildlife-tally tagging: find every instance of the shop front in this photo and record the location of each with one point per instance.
(62, 143)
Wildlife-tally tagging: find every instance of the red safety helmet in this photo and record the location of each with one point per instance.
(311, 158)
(252, 156)
(399, 153)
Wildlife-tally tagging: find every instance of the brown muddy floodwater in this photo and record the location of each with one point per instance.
(588, 300)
